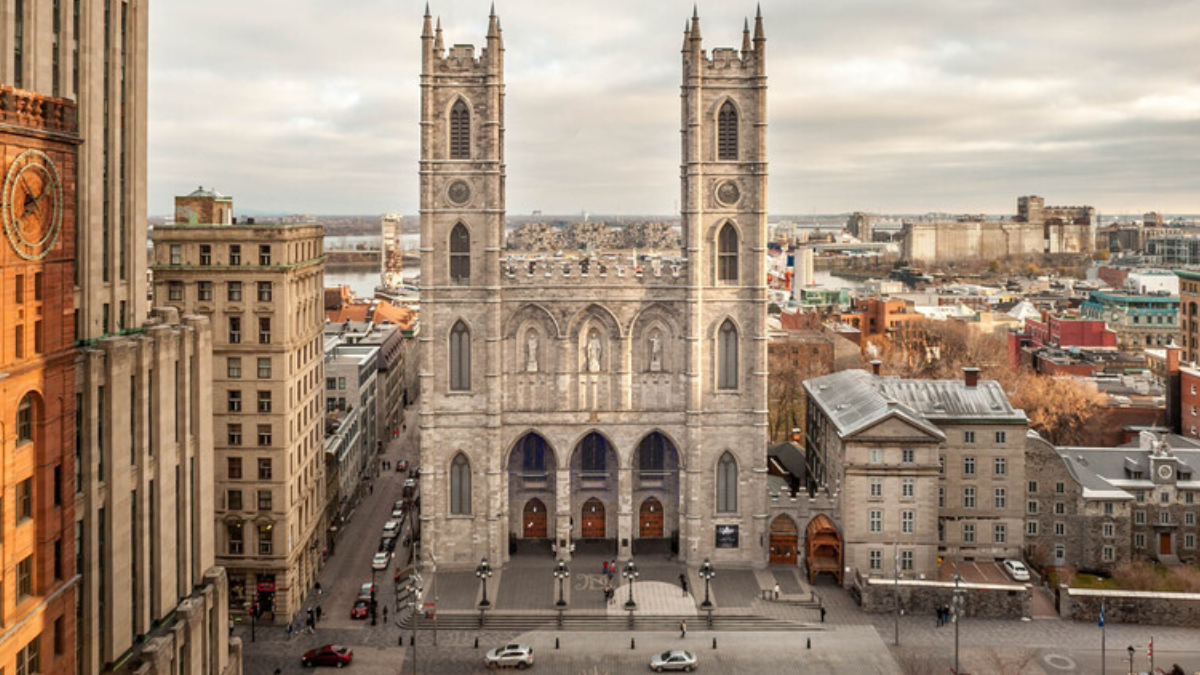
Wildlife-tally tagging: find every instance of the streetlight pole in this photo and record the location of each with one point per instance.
(896, 594)
(561, 573)
(484, 572)
(630, 573)
(414, 601)
(1130, 650)
(706, 573)
(957, 606)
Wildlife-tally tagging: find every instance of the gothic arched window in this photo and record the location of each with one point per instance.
(727, 484)
(460, 358)
(727, 253)
(727, 356)
(533, 454)
(594, 449)
(460, 485)
(727, 132)
(460, 253)
(460, 131)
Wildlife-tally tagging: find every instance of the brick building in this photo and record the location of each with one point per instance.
(38, 582)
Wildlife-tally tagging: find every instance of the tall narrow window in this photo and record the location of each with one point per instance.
(25, 419)
(460, 358)
(460, 131)
(727, 356)
(460, 253)
(594, 454)
(727, 484)
(460, 485)
(727, 132)
(727, 253)
(19, 44)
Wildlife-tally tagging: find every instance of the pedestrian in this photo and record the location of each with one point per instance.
(605, 568)
(289, 630)
(318, 612)
(385, 613)
(318, 587)
(371, 488)
(683, 584)
(683, 629)
(822, 612)
(776, 590)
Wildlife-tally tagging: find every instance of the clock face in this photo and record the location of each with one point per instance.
(1164, 471)
(32, 205)
(728, 193)
(459, 192)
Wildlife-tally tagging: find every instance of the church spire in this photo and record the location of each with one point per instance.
(746, 36)
(427, 30)
(758, 26)
(493, 23)
(695, 23)
(437, 40)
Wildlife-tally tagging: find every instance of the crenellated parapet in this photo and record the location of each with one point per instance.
(609, 271)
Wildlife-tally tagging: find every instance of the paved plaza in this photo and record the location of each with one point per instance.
(848, 642)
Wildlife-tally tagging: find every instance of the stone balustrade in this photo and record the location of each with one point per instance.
(36, 111)
(593, 270)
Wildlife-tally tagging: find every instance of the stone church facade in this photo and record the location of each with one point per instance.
(604, 400)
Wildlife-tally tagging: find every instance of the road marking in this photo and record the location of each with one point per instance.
(1059, 662)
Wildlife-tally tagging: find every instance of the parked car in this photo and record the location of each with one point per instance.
(398, 513)
(676, 659)
(1017, 570)
(381, 560)
(364, 591)
(329, 655)
(361, 609)
(391, 527)
(387, 544)
(510, 656)
(402, 465)
(398, 504)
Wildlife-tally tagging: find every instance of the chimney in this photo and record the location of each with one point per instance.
(971, 376)
(876, 365)
(1173, 382)
(796, 435)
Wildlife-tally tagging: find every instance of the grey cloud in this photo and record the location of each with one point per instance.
(311, 106)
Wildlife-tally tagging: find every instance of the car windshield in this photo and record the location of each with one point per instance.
(665, 656)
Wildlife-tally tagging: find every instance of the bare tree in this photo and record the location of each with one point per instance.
(920, 662)
(1008, 661)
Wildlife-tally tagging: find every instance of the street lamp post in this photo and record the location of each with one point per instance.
(1130, 650)
(896, 586)
(630, 573)
(561, 573)
(414, 602)
(957, 606)
(484, 572)
(707, 573)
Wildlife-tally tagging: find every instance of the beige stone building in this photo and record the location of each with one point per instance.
(614, 402)
(261, 286)
(95, 53)
(919, 469)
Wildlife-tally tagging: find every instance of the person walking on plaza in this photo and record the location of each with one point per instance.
(683, 584)
(385, 613)
(822, 612)
(605, 568)
(776, 590)
(318, 612)
(682, 629)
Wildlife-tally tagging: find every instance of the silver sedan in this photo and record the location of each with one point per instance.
(676, 659)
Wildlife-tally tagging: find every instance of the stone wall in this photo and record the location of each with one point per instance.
(989, 601)
(1140, 607)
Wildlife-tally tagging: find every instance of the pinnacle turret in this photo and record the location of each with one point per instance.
(427, 30)
(746, 36)
(493, 24)
(437, 40)
(758, 25)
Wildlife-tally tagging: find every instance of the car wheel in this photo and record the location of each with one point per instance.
(522, 665)
(339, 664)
(658, 669)
(687, 669)
(307, 664)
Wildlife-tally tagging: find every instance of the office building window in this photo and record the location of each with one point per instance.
(235, 254)
(235, 330)
(876, 520)
(968, 498)
(264, 500)
(175, 291)
(264, 401)
(235, 434)
(266, 539)
(907, 488)
(906, 560)
(264, 330)
(205, 254)
(264, 368)
(876, 560)
(1001, 437)
(236, 542)
(205, 291)
(876, 488)
(907, 522)
(176, 254)
(1001, 498)
(233, 367)
(264, 291)
(233, 291)
(264, 255)
(907, 455)
(968, 437)
(968, 466)
(235, 500)
(235, 468)
(1000, 466)
(234, 400)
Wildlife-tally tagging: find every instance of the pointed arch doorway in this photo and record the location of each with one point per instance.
(594, 525)
(785, 539)
(650, 520)
(534, 519)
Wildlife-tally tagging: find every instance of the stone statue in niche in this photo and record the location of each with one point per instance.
(531, 352)
(655, 352)
(593, 352)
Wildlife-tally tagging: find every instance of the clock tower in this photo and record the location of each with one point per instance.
(38, 142)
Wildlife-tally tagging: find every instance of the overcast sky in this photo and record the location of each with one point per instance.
(311, 106)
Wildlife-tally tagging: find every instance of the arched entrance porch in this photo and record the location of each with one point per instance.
(824, 547)
(531, 494)
(656, 495)
(785, 541)
(593, 470)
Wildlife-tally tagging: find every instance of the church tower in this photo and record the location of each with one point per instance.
(462, 233)
(724, 216)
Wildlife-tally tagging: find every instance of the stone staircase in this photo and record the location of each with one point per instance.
(601, 622)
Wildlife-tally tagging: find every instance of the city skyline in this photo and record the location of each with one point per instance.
(873, 107)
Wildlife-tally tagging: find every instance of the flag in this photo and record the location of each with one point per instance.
(1150, 649)
(1102, 615)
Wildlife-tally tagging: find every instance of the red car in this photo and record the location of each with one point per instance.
(360, 610)
(329, 655)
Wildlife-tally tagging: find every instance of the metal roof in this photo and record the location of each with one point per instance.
(853, 402)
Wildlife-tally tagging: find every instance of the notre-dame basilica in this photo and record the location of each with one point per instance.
(595, 399)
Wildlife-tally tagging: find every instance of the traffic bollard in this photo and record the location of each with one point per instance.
(556, 643)
(714, 643)
(809, 646)
(476, 642)
(631, 643)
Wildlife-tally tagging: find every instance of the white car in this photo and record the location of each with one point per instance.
(1017, 570)
(510, 656)
(381, 560)
(398, 513)
(676, 659)
(391, 528)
